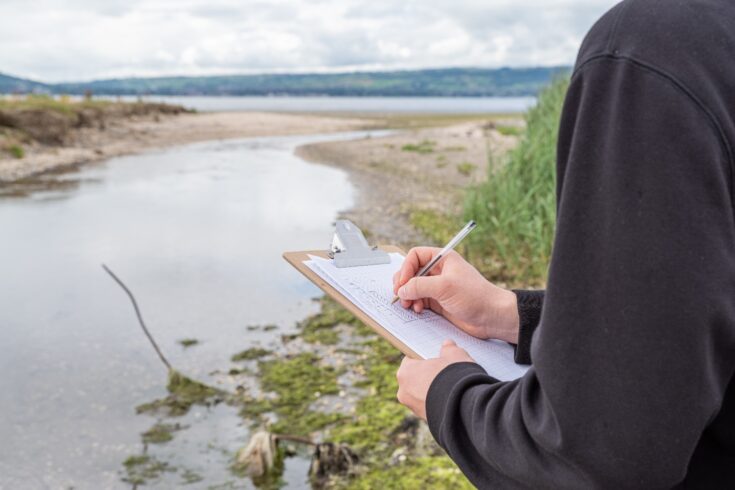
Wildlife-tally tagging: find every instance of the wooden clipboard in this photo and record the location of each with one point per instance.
(297, 260)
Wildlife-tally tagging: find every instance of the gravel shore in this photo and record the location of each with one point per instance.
(419, 170)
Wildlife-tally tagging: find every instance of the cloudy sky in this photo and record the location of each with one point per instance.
(63, 40)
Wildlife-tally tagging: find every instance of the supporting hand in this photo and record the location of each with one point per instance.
(415, 376)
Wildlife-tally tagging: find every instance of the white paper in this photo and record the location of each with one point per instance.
(370, 288)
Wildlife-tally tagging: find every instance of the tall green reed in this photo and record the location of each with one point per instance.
(516, 207)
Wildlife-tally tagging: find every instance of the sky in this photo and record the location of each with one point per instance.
(77, 40)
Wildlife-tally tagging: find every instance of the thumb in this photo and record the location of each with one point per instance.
(421, 287)
(447, 345)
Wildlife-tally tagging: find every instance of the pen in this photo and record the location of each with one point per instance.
(450, 246)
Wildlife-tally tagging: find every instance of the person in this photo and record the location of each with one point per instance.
(632, 345)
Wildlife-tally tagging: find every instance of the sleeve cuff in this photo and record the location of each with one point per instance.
(442, 392)
(530, 304)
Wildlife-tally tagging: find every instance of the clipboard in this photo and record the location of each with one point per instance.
(297, 260)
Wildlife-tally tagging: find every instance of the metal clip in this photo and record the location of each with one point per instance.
(350, 248)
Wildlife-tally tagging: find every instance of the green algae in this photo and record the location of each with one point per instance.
(418, 474)
(320, 328)
(296, 383)
(377, 415)
(324, 336)
(160, 433)
(250, 354)
(265, 328)
(141, 469)
(239, 371)
(183, 393)
(186, 343)
(189, 476)
(378, 428)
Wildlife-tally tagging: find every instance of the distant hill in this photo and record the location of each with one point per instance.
(438, 82)
(12, 85)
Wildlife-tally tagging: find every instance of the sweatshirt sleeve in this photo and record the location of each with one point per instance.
(636, 343)
(530, 305)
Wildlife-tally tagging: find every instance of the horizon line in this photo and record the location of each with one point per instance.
(298, 72)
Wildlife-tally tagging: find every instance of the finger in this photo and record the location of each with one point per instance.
(400, 396)
(417, 257)
(453, 351)
(418, 306)
(447, 347)
(399, 371)
(406, 364)
(421, 287)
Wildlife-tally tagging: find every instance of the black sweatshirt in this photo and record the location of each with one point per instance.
(633, 358)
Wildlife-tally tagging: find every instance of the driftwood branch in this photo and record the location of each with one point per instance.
(140, 317)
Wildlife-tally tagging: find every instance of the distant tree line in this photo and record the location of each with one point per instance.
(458, 82)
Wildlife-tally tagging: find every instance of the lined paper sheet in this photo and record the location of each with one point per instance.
(370, 288)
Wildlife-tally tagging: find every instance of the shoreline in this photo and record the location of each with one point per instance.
(409, 184)
(137, 135)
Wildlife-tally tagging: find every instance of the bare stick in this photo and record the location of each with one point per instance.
(140, 317)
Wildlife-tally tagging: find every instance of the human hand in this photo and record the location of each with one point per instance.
(457, 291)
(415, 376)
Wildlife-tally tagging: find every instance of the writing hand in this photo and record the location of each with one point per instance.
(457, 291)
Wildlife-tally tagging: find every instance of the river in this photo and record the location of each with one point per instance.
(197, 233)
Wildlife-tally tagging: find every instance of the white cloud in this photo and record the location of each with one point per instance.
(55, 40)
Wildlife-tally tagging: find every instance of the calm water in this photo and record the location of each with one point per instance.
(197, 233)
(447, 105)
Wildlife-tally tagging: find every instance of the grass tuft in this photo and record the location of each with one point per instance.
(466, 168)
(509, 130)
(16, 151)
(438, 227)
(426, 146)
